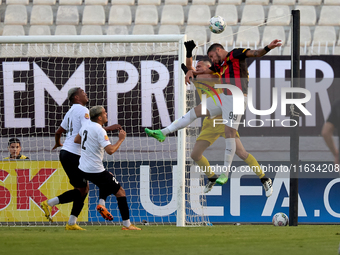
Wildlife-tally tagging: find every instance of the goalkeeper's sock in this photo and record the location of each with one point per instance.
(204, 165)
(182, 122)
(254, 165)
(53, 201)
(123, 208)
(72, 220)
(69, 196)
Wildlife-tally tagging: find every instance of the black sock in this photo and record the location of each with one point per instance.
(78, 205)
(123, 208)
(69, 196)
(213, 178)
(264, 179)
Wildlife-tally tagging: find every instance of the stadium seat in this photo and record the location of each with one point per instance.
(199, 15)
(287, 51)
(331, 2)
(252, 15)
(146, 15)
(41, 15)
(273, 32)
(91, 30)
(305, 36)
(336, 50)
(70, 2)
(261, 2)
(172, 15)
(67, 15)
(16, 15)
(226, 38)
(316, 50)
(96, 2)
(284, 2)
(248, 36)
(235, 2)
(93, 15)
(169, 30)
(276, 11)
(13, 30)
(123, 2)
(45, 2)
(180, 2)
(39, 30)
(307, 15)
(324, 35)
(149, 2)
(309, 2)
(120, 15)
(117, 30)
(228, 12)
(143, 30)
(204, 2)
(65, 30)
(330, 16)
(196, 33)
(21, 2)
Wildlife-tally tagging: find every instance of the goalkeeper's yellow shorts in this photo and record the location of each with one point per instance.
(210, 133)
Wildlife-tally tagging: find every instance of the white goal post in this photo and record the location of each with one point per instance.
(37, 71)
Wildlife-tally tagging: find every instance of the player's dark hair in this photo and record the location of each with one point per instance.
(75, 91)
(206, 61)
(95, 112)
(13, 140)
(214, 47)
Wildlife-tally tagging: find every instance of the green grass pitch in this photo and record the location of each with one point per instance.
(163, 240)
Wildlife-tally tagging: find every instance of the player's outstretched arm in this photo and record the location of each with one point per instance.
(110, 149)
(189, 46)
(113, 127)
(57, 138)
(77, 139)
(261, 52)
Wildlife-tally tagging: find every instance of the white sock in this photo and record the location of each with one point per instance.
(53, 201)
(102, 202)
(72, 220)
(182, 122)
(126, 223)
(230, 148)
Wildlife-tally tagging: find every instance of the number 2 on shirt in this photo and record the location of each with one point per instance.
(84, 140)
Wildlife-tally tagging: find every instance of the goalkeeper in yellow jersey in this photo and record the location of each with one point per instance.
(209, 134)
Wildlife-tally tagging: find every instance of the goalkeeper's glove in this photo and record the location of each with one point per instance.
(189, 45)
(184, 68)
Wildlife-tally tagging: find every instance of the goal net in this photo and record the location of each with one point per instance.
(139, 82)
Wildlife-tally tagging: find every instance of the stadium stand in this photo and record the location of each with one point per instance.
(229, 12)
(16, 15)
(276, 11)
(252, 15)
(120, 15)
(75, 17)
(249, 39)
(172, 15)
(329, 16)
(67, 15)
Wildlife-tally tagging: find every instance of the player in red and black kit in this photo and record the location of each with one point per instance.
(328, 130)
(233, 69)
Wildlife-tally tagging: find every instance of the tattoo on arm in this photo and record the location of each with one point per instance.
(256, 53)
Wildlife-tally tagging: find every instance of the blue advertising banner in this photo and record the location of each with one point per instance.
(150, 191)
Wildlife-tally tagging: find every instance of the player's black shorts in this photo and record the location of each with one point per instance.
(105, 181)
(70, 163)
